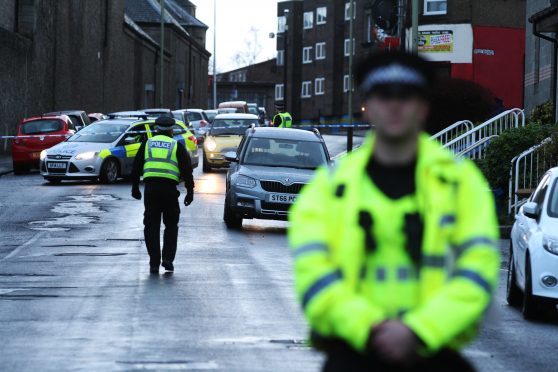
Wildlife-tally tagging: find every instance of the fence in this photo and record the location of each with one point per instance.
(453, 131)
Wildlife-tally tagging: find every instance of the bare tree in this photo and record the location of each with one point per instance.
(252, 51)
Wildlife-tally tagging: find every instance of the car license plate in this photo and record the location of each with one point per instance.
(56, 165)
(281, 198)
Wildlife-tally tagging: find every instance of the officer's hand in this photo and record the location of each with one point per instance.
(136, 193)
(189, 198)
(395, 342)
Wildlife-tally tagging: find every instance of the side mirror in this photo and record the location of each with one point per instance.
(231, 157)
(530, 210)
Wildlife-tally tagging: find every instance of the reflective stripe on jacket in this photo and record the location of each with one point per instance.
(354, 266)
(160, 158)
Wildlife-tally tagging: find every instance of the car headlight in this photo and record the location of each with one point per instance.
(86, 155)
(210, 144)
(244, 181)
(43, 155)
(550, 244)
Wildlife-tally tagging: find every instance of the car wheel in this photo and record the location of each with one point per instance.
(206, 167)
(54, 181)
(110, 171)
(531, 306)
(20, 169)
(513, 293)
(232, 220)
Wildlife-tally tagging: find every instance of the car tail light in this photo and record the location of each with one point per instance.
(203, 123)
(193, 139)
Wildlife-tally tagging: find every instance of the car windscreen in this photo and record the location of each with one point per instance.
(194, 116)
(210, 115)
(553, 200)
(253, 110)
(270, 152)
(231, 126)
(41, 126)
(99, 133)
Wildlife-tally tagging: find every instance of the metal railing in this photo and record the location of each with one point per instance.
(477, 150)
(493, 127)
(526, 171)
(453, 131)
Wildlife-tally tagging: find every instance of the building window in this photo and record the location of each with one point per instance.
(306, 89)
(321, 15)
(345, 83)
(308, 20)
(307, 55)
(280, 57)
(319, 86)
(435, 7)
(348, 10)
(281, 24)
(279, 92)
(348, 46)
(320, 50)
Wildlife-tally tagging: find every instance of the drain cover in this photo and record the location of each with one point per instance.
(90, 254)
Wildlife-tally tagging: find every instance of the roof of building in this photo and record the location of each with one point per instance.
(137, 29)
(543, 13)
(177, 8)
(149, 11)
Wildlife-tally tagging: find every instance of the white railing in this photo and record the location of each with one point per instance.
(493, 127)
(477, 150)
(526, 171)
(453, 131)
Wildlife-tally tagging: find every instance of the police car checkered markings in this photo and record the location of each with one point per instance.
(161, 144)
(281, 198)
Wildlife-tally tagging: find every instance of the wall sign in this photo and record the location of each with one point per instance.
(435, 41)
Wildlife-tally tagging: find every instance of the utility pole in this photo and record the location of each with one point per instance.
(350, 101)
(285, 47)
(414, 26)
(162, 53)
(215, 54)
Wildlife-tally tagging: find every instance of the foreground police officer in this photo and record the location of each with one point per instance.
(282, 118)
(395, 248)
(163, 162)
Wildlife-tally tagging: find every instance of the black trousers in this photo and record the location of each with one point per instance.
(161, 199)
(344, 358)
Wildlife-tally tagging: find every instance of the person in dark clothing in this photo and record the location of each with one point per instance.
(163, 162)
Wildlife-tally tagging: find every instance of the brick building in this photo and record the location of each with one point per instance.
(482, 41)
(93, 55)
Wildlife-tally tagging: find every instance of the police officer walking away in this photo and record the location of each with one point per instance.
(282, 118)
(163, 162)
(395, 248)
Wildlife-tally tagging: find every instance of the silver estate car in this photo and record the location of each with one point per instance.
(268, 171)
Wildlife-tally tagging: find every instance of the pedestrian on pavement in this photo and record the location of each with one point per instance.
(282, 118)
(163, 161)
(395, 248)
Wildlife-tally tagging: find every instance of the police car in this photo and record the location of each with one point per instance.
(105, 150)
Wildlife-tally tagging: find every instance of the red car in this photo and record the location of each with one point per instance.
(35, 135)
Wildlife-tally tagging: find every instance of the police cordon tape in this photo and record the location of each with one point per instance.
(305, 127)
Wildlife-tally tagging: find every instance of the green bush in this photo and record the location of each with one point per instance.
(497, 162)
(542, 113)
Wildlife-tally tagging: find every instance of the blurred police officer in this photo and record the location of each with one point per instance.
(395, 248)
(282, 118)
(163, 162)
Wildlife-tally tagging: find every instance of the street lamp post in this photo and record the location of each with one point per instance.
(285, 47)
(162, 58)
(350, 100)
(215, 54)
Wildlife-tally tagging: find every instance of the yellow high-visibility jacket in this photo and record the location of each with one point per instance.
(160, 158)
(353, 267)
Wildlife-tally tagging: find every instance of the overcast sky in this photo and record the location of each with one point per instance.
(235, 19)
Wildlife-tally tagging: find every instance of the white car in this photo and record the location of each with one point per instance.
(533, 264)
(196, 119)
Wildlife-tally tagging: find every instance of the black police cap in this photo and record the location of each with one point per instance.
(164, 121)
(394, 72)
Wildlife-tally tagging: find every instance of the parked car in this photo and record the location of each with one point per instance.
(96, 116)
(268, 172)
(128, 114)
(156, 112)
(33, 135)
(224, 135)
(78, 117)
(533, 262)
(226, 111)
(239, 106)
(253, 108)
(105, 150)
(196, 119)
(210, 114)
